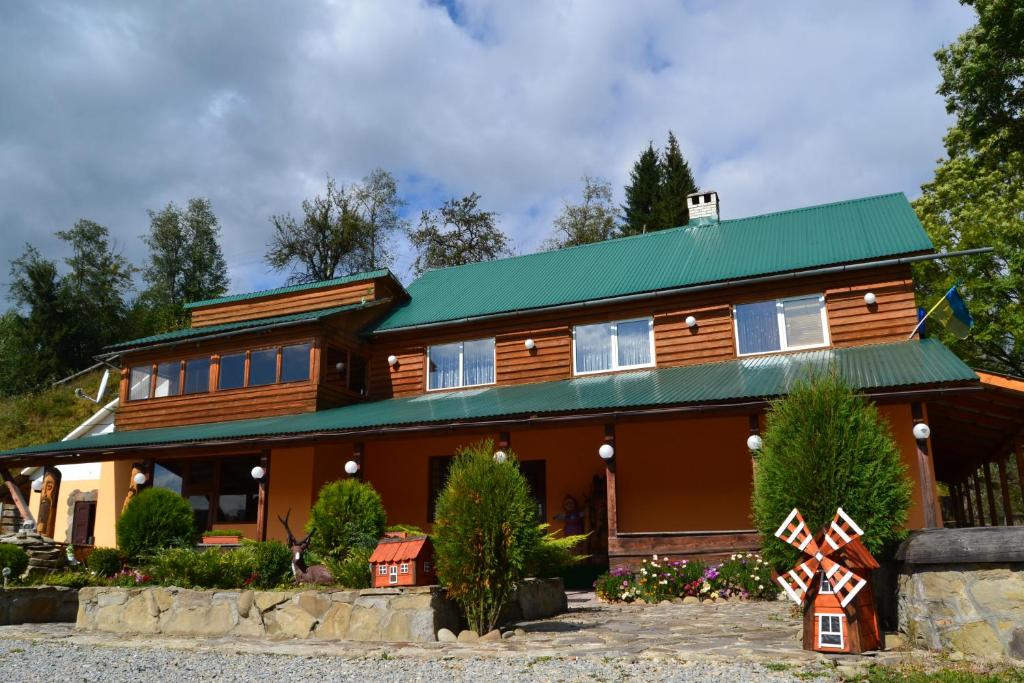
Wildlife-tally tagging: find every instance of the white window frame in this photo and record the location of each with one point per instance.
(842, 641)
(825, 586)
(462, 347)
(615, 346)
(780, 318)
(393, 574)
(382, 570)
(404, 568)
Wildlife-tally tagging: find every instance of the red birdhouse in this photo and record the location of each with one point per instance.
(833, 584)
(403, 562)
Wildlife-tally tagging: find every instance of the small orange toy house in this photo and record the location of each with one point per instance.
(403, 562)
(833, 585)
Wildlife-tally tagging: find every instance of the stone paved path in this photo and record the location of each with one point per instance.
(593, 641)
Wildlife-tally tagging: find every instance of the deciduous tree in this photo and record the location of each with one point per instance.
(592, 220)
(379, 207)
(456, 234)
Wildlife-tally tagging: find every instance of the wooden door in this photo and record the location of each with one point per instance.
(83, 524)
(535, 473)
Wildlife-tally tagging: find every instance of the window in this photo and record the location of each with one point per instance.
(168, 379)
(232, 371)
(826, 585)
(295, 363)
(382, 570)
(218, 489)
(830, 630)
(357, 374)
(404, 568)
(262, 367)
(138, 382)
(427, 568)
(437, 477)
(462, 364)
(613, 346)
(197, 375)
(393, 577)
(782, 325)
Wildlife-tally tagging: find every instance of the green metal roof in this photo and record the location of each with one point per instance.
(357, 277)
(911, 363)
(198, 333)
(844, 232)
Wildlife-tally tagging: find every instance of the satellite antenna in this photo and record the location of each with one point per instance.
(99, 394)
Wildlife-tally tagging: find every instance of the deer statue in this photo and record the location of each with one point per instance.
(303, 574)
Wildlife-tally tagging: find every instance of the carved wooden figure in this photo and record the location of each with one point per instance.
(318, 573)
(838, 602)
(46, 522)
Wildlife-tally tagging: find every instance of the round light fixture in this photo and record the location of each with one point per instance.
(37, 485)
(351, 467)
(691, 321)
(870, 299)
(606, 451)
(754, 442)
(258, 472)
(340, 367)
(922, 431)
(392, 360)
(500, 456)
(530, 344)
(139, 478)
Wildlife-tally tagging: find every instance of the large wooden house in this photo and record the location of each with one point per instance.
(665, 347)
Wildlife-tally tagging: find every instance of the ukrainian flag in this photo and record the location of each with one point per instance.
(952, 312)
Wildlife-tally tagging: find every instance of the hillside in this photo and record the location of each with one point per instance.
(49, 414)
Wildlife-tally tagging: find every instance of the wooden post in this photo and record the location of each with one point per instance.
(504, 440)
(924, 470)
(1004, 489)
(263, 503)
(990, 494)
(967, 498)
(955, 503)
(613, 508)
(977, 498)
(19, 500)
(357, 454)
(1019, 453)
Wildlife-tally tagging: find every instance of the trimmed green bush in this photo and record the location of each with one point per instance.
(14, 557)
(826, 447)
(354, 570)
(553, 553)
(155, 519)
(484, 533)
(105, 561)
(347, 514)
(271, 562)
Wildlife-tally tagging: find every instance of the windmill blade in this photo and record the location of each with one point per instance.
(841, 531)
(797, 580)
(845, 583)
(795, 532)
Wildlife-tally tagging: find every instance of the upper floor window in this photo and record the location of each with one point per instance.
(139, 381)
(168, 379)
(295, 363)
(197, 375)
(462, 364)
(232, 371)
(617, 345)
(781, 325)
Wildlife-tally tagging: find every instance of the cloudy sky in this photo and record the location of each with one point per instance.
(111, 109)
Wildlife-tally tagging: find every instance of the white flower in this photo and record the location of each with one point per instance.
(655, 558)
(663, 582)
(760, 586)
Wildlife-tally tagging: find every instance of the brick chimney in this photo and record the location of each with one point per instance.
(703, 207)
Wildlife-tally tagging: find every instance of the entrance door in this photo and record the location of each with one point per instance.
(83, 524)
(534, 471)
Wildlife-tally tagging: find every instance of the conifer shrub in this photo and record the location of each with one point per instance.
(270, 562)
(354, 570)
(14, 557)
(485, 533)
(347, 514)
(105, 561)
(155, 519)
(826, 447)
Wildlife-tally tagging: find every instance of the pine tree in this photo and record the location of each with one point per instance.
(676, 183)
(642, 193)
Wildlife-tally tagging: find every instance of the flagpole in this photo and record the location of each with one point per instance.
(921, 321)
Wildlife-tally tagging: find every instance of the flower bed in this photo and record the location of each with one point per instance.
(744, 575)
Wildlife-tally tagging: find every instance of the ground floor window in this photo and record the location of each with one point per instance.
(382, 569)
(393, 577)
(404, 568)
(830, 630)
(220, 490)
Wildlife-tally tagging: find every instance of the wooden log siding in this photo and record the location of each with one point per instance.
(283, 304)
(851, 322)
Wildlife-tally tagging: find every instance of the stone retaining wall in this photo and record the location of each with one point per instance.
(38, 605)
(963, 590)
(381, 614)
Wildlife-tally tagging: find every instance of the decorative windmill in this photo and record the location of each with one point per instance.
(838, 602)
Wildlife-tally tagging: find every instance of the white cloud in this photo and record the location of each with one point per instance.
(112, 111)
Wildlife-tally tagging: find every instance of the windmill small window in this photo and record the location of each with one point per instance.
(830, 630)
(393, 577)
(382, 570)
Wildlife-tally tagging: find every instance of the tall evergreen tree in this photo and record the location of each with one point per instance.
(456, 234)
(676, 183)
(642, 193)
(39, 335)
(592, 220)
(185, 260)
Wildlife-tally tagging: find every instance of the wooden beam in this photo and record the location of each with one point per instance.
(19, 500)
(1019, 454)
(967, 498)
(612, 502)
(1004, 488)
(977, 498)
(990, 494)
(263, 503)
(924, 468)
(958, 504)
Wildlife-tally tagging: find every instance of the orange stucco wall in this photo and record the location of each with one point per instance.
(901, 423)
(684, 474)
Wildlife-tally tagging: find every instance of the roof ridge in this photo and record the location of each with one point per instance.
(298, 287)
(812, 207)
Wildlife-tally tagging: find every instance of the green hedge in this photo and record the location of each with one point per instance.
(155, 519)
(105, 561)
(14, 557)
(347, 514)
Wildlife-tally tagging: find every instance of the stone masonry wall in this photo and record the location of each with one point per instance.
(976, 608)
(38, 605)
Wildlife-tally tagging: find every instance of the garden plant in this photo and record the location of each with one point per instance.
(743, 575)
(347, 514)
(13, 557)
(155, 519)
